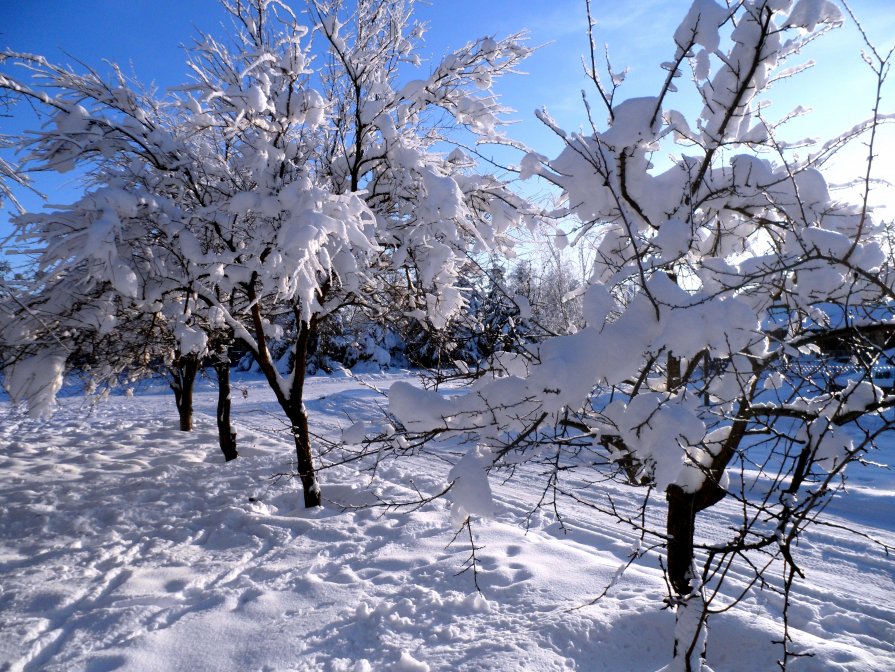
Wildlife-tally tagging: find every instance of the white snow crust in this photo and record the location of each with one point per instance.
(128, 545)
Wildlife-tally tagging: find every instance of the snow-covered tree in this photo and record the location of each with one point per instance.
(371, 152)
(548, 288)
(718, 278)
(392, 140)
(286, 179)
(111, 292)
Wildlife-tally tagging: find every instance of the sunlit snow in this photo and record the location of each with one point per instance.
(126, 544)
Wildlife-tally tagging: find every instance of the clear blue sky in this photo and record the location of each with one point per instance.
(147, 36)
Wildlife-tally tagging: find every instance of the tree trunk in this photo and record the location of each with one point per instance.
(690, 631)
(226, 434)
(299, 416)
(305, 458)
(183, 376)
(689, 613)
(680, 526)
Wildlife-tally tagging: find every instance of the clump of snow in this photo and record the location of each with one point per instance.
(808, 14)
(471, 493)
(407, 663)
(418, 408)
(355, 433)
(634, 121)
(659, 430)
(701, 24)
(35, 381)
(673, 239)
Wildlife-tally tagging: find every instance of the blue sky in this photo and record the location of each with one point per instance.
(147, 36)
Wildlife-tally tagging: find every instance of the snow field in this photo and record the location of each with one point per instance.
(128, 545)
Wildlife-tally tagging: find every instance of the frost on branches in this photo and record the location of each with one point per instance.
(294, 174)
(724, 280)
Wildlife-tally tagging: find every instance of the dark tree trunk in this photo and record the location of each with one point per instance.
(183, 376)
(690, 613)
(299, 417)
(305, 459)
(690, 609)
(226, 434)
(683, 506)
(680, 523)
(680, 526)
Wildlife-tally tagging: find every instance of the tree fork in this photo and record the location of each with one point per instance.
(291, 402)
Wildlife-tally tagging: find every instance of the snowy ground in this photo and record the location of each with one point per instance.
(127, 545)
